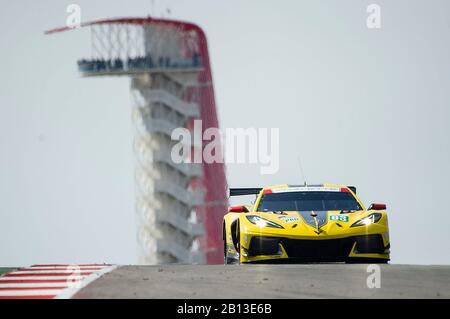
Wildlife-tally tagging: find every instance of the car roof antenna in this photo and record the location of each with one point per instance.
(301, 170)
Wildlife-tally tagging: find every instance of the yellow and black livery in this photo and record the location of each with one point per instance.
(305, 224)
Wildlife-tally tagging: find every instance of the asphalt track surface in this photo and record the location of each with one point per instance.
(270, 281)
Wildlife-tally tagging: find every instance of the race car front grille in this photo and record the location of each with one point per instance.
(370, 244)
(264, 246)
(318, 250)
(324, 250)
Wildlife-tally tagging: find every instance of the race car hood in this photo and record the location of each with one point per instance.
(314, 222)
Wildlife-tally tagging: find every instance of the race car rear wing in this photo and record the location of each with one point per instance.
(255, 191)
(244, 191)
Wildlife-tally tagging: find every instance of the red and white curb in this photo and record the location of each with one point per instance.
(54, 281)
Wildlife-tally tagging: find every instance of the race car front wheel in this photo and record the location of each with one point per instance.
(226, 260)
(235, 235)
(238, 242)
(224, 236)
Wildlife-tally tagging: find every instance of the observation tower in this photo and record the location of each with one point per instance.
(179, 206)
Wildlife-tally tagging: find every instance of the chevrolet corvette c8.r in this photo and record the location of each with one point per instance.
(311, 223)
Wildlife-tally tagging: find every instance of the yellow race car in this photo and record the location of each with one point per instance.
(305, 224)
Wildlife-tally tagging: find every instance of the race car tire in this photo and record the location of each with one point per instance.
(226, 259)
(238, 235)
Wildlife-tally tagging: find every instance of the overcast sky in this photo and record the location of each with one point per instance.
(361, 106)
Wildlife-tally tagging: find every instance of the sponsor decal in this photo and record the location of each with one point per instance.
(289, 219)
(342, 218)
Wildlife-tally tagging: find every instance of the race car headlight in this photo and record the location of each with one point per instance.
(261, 222)
(366, 221)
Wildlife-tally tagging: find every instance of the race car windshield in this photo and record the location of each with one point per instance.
(305, 201)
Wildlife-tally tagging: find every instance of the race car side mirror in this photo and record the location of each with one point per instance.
(237, 209)
(377, 207)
